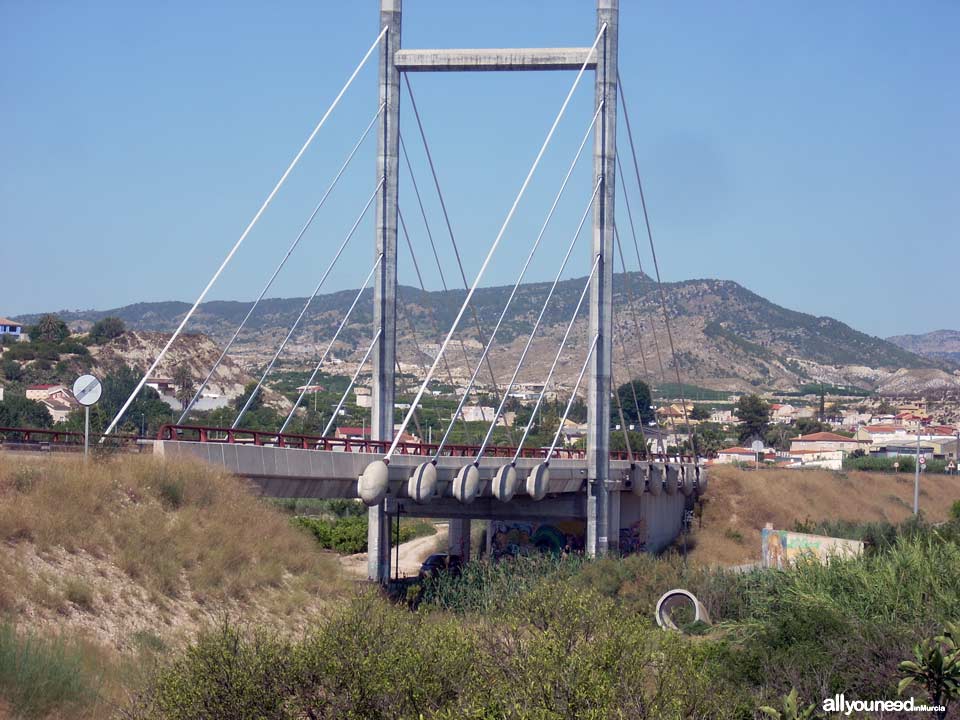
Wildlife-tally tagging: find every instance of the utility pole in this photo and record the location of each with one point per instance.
(916, 479)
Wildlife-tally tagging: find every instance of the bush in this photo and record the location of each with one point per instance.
(348, 535)
(39, 674)
(12, 370)
(106, 329)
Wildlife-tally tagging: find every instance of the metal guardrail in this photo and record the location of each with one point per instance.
(239, 436)
(55, 436)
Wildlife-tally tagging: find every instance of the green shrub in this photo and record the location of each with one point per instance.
(39, 675)
(348, 534)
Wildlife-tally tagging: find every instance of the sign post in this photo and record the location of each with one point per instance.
(757, 447)
(87, 390)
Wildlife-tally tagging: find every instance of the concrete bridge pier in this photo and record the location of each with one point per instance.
(458, 538)
(385, 283)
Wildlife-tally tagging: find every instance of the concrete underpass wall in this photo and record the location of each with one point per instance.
(650, 522)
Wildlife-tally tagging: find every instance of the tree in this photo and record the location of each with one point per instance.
(935, 668)
(754, 415)
(241, 399)
(808, 426)
(700, 412)
(51, 329)
(643, 400)
(17, 411)
(186, 385)
(106, 329)
(147, 409)
(12, 370)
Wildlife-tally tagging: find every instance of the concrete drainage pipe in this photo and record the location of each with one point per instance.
(675, 599)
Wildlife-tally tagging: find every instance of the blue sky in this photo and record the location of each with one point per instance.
(806, 150)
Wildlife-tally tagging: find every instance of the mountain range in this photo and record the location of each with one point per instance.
(725, 336)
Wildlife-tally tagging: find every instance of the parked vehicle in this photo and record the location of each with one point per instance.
(440, 562)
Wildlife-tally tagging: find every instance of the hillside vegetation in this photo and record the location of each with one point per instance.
(106, 566)
(726, 335)
(740, 502)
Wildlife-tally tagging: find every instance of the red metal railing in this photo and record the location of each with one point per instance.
(238, 436)
(54, 436)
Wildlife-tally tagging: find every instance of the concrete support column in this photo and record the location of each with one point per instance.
(385, 284)
(458, 538)
(614, 521)
(601, 296)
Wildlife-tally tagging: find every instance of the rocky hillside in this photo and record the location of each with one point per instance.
(138, 348)
(939, 344)
(726, 336)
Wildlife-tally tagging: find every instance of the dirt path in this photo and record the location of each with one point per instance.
(412, 554)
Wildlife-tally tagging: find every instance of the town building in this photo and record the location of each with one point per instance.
(743, 455)
(59, 407)
(45, 391)
(10, 328)
(826, 441)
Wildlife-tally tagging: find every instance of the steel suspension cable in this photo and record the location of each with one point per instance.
(306, 305)
(623, 423)
(496, 243)
(638, 328)
(653, 324)
(436, 257)
(573, 396)
(323, 358)
(243, 236)
(556, 359)
(656, 267)
(453, 240)
(636, 248)
(633, 390)
(523, 272)
(496, 328)
(536, 325)
(353, 380)
(283, 262)
(433, 317)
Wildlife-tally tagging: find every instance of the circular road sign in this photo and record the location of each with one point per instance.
(87, 390)
(923, 460)
(757, 446)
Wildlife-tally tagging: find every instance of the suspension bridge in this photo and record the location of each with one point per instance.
(609, 491)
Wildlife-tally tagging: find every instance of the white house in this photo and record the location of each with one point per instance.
(42, 392)
(10, 328)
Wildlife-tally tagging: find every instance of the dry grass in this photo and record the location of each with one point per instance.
(130, 543)
(741, 502)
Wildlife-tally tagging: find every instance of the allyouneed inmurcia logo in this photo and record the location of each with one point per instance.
(840, 704)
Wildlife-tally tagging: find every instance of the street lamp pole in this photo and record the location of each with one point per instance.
(916, 479)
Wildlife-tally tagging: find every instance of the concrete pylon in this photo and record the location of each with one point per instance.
(458, 538)
(601, 295)
(385, 284)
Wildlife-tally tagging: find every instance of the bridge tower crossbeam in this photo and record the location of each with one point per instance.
(393, 61)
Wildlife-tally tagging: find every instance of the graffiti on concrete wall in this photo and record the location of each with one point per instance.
(633, 538)
(780, 549)
(510, 539)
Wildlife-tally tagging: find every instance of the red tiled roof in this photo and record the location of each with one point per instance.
(884, 428)
(42, 387)
(823, 437)
(736, 451)
(8, 321)
(346, 430)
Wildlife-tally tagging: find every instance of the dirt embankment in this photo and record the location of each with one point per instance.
(740, 502)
